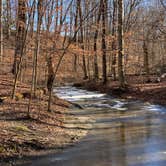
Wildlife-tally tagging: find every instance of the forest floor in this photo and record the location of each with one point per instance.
(149, 92)
(23, 136)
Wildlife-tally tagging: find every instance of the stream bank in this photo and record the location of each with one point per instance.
(154, 93)
(41, 134)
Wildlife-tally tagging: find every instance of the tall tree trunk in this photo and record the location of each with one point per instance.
(57, 16)
(75, 40)
(104, 64)
(61, 12)
(20, 43)
(37, 44)
(8, 4)
(21, 23)
(113, 65)
(50, 81)
(146, 59)
(82, 41)
(120, 44)
(32, 20)
(96, 70)
(1, 31)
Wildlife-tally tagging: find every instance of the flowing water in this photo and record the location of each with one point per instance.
(120, 132)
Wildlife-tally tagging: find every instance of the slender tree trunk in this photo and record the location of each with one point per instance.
(56, 16)
(1, 31)
(104, 62)
(32, 21)
(37, 46)
(82, 41)
(8, 3)
(21, 23)
(50, 81)
(120, 44)
(96, 70)
(113, 65)
(146, 59)
(61, 12)
(50, 67)
(75, 40)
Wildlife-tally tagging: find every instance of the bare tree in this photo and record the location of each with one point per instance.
(9, 19)
(96, 70)
(113, 65)
(75, 28)
(1, 31)
(163, 2)
(21, 27)
(40, 13)
(82, 39)
(120, 44)
(104, 64)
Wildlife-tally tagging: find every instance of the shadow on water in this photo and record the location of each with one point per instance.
(122, 133)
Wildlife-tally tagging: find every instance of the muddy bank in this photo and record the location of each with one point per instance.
(151, 92)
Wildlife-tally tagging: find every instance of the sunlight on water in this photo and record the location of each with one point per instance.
(75, 94)
(155, 108)
(76, 97)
